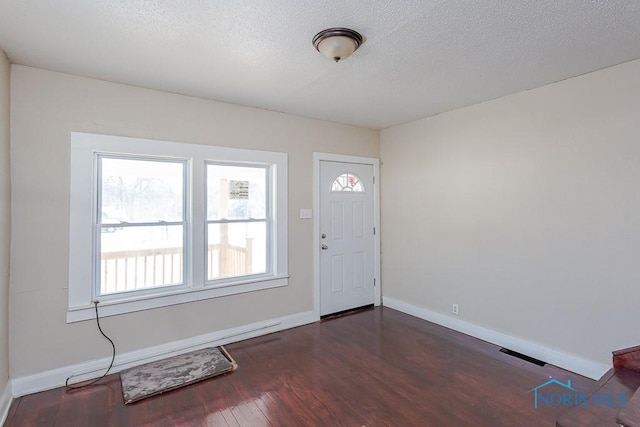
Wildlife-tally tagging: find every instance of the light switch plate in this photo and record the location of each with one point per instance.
(306, 213)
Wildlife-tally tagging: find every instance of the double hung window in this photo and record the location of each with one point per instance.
(156, 223)
(140, 231)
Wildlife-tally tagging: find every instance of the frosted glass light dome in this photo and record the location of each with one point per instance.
(337, 44)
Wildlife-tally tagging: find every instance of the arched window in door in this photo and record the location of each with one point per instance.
(348, 182)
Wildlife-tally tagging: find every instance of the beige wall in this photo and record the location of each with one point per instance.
(525, 211)
(5, 220)
(46, 107)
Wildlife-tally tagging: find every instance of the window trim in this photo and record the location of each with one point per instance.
(85, 146)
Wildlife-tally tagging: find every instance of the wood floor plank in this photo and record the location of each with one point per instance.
(44, 407)
(374, 368)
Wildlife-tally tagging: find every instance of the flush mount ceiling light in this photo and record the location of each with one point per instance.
(337, 43)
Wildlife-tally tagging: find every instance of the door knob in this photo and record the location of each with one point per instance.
(324, 236)
(324, 247)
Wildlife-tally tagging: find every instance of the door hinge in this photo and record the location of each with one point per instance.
(374, 283)
(374, 231)
(374, 179)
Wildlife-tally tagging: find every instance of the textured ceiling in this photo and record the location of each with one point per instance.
(420, 58)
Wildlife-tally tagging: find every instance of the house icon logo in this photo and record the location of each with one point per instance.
(536, 391)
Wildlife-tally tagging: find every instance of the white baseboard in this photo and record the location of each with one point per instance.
(93, 369)
(5, 402)
(570, 362)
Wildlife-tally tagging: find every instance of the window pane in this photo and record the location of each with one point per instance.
(134, 258)
(236, 249)
(236, 192)
(141, 191)
(347, 182)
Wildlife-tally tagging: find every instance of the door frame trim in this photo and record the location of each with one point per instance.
(317, 158)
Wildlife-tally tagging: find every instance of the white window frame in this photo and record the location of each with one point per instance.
(268, 221)
(97, 232)
(82, 244)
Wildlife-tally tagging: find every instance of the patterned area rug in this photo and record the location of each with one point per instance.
(164, 375)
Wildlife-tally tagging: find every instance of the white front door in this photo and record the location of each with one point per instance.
(346, 236)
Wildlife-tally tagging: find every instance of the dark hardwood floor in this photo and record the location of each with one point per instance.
(374, 368)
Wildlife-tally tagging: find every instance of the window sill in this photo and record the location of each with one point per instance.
(115, 307)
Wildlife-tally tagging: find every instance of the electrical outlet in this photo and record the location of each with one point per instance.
(454, 310)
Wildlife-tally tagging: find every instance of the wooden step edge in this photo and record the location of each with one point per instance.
(626, 350)
(627, 358)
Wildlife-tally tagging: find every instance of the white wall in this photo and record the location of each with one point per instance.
(5, 223)
(525, 211)
(45, 108)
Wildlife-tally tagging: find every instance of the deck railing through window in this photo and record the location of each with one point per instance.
(147, 268)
